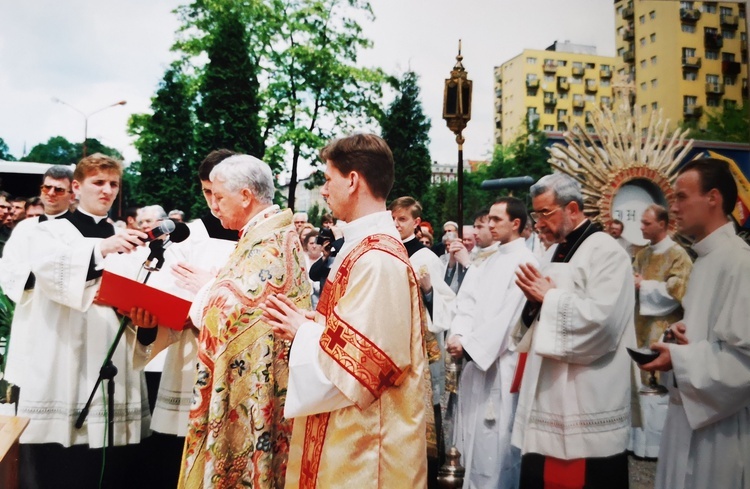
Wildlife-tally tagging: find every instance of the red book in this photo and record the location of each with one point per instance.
(124, 294)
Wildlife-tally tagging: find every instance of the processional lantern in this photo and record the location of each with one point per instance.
(457, 113)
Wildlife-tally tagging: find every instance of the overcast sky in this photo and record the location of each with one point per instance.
(94, 53)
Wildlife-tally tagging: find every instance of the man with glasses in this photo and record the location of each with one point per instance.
(573, 417)
(15, 266)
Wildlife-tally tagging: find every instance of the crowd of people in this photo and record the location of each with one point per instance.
(318, 356)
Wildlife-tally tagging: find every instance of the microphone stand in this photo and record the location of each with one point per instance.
(108, 370)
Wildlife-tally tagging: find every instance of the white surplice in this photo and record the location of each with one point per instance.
(442, 312)
(488, 305)
(706, 439)
(65, 338)
(575, 400)
(176, 351)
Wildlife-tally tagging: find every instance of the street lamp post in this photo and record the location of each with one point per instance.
(86, 118)
(457, 113)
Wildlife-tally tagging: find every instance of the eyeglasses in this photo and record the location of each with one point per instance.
(537, 216)
(57, 190)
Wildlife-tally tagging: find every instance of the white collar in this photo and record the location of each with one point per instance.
(662, 246)
(514, 245)
(712, 241)
(266, 212)
(413, 236)
(366, 225)
(55, 216)
(96, 218)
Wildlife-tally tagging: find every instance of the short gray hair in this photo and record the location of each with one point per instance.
(245, 171)
(156, 209)
(564, 187)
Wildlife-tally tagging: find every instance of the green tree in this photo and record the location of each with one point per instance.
(405, 128)
(730, 124)
(167, 171)
(228, 101)
(317, 89)
(5, 152)
(59, 151)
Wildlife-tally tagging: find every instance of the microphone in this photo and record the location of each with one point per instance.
(179, 233)
(167, 226)
(157, 253)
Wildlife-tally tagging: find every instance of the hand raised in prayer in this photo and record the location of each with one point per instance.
(532, 283)
(458, 253)
(284, 316)
(454, 347)
(191, 278)
(123, 242)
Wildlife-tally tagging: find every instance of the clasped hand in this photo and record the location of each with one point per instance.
(284, 316)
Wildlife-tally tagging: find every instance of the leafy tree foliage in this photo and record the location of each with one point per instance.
(405, 129)
(5, 152)
(59, 151)
(167, 172)
(730, 124)
(527, 155)
(229, 105)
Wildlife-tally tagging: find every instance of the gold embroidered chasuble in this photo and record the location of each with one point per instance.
(237, 435)
(672, 267)
(373, 351)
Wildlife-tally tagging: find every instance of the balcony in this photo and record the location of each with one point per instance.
(714, 88)
(730, 68)
(730, 21)
(563, 85)
(713, 40)
(550, 100)
(690, 15)
(532, 83)
(579, 103)
(628, 34)
(550, 67)
(628, 13)
(628, 56)
(591, 86)
(605, 73)
(691, 63)
(692, 111)
(578, 71)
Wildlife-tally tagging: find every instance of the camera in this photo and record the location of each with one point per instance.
(325, 235)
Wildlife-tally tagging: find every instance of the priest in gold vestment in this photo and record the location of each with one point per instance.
(237, 434)
(358, 374)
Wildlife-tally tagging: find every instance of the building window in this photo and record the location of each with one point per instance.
(686, 5)
(576, 80)
(549, 110)
(652, 14)
(605, 82)
(729, 80)
(712, 54)
(562, 95)
(549, 78)
(531, 92)
(689, 75)
(712, 101)
(531, 61)
(653, 60)
(643, 63)
(689, 100)
(688, 28)
(643, 41)
(709, 7)
(590, 97)
(643, 86)
(590, 66)
(654, 105)
(653, 37)
(714, 79)
(727, 56)
(725, 10)
(578, 112)
(727, 34)
(730, 103)
(644, 109)
(688, 52)
(654, 83)
(549, 127)
(711, 30)
(562, 113)
(642, 19)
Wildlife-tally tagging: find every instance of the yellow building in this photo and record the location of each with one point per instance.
(686, 58)
(554, 88)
